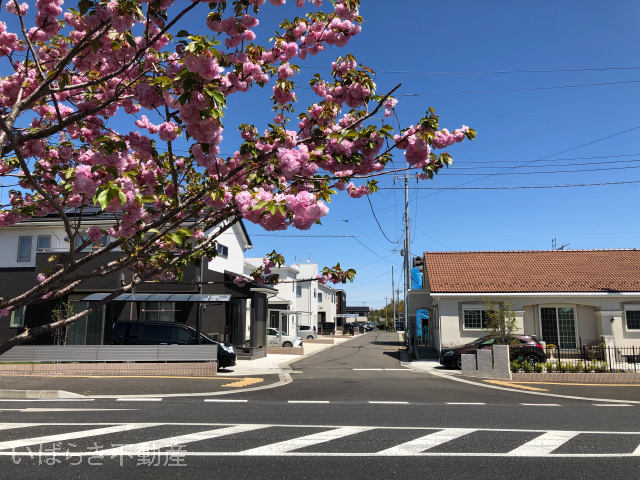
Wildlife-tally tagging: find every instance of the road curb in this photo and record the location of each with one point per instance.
(37, 394)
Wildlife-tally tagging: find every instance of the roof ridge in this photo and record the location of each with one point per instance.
(534, 251)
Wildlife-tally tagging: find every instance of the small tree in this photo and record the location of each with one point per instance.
(501, 321)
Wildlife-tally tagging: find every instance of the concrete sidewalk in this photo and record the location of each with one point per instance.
(274, 364)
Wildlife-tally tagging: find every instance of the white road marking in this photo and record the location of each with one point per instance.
(465, 403)
(23, 442)
(139, 399)
(544, 444)
(428, 441)
(397, 370)
(306, 441)
(23, 400)
(35, 410)
(540, 404)
(368, 369)
(225, 400)
(383, 402)
(612, 405)
(308, 401)
(9, 426)
(154, 445)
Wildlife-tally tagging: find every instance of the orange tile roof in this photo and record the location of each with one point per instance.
(533, 271)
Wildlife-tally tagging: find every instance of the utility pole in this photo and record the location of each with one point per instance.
(393, 297)
(386, 310)
(407, 268)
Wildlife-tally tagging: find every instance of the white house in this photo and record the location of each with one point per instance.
(301, 299)
(564, 297)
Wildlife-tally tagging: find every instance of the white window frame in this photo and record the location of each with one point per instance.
(478, 307)
(12, 322)
(634, 307)
(144, 310)
(298, 291)
(556, 306)
(38, 247)
(18, 259)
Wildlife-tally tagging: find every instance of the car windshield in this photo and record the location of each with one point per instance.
(481, 340)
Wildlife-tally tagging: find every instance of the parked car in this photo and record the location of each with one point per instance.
(348, 329)
(307, 331)
(399, 326)
(281, 339)
(168, 333)
(327, 328)
(526, 346)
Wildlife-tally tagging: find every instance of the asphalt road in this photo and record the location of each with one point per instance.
(352, 412)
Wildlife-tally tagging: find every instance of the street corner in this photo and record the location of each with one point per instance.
(134, 386)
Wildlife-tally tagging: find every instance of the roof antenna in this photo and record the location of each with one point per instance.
(554, 245)
(308, 257)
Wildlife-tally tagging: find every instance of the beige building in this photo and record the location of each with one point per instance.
(565, 297)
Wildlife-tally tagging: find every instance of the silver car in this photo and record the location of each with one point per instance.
(307, 331)
(281, 339)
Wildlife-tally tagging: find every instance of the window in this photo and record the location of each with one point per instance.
(319, 297)
(632, 315)
(43, 243)
(88, 330)
(17, 318)
(298, 291)
(83, 237)
(223, 250)
(474, 318)
(24, 249)
(558, 326)
(158, 311)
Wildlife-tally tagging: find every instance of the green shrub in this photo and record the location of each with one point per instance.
(526, 367)
(538, 367)
(569, 367)
(580, 367)
(515, 366)
(549, 366)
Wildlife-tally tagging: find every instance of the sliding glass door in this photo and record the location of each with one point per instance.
(559, 326)
(88, 330)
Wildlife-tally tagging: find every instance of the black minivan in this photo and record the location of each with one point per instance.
(168, 333)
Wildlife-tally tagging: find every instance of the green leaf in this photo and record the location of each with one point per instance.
(182, 33)
(130, 40)
(84, 6)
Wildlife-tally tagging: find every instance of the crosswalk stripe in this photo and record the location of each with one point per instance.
(73, 435)
(9, 426)
(428, 441)
(306, 441)
(544, 444)
(153, 445)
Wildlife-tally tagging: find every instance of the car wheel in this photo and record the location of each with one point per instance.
(287, 344)
(531, 359)
(459, 362)
(310, 337)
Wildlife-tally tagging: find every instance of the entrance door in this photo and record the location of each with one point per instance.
(559, 326)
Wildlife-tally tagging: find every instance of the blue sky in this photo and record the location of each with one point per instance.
(564, 103)
(522, 121)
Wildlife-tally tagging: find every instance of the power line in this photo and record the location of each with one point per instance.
(526, 89)
(493, 174)
(378, 223)
(555, 159)
(495, 72)
(517, 187)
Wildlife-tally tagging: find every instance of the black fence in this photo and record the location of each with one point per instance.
(584, 359)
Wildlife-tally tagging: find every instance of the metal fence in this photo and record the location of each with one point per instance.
(584, 359)
(598, 359)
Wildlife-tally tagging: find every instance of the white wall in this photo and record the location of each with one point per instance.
(233, 238)
(9, 243)
(308, 302)
(328, 304)
(592, 317)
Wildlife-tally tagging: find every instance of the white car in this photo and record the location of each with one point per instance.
(281, 339)
(307, 331)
